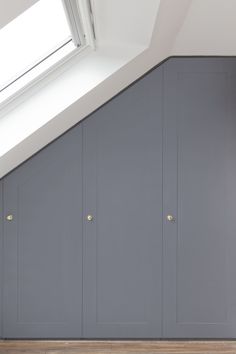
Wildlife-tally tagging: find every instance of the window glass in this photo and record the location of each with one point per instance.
(32, 37)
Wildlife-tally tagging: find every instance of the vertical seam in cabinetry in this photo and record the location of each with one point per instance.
(1, 264)
(2, 255)
(82, 229)
(179, 95)
(228, 100)
(162, 213)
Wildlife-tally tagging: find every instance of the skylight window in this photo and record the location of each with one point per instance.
(35, 41)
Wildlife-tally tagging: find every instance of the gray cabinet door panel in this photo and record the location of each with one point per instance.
(43, 243)
(199, 190)
(123, 192)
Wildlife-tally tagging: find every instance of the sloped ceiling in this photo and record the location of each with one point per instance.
(133, 36)
(207, 29)
(10, 9)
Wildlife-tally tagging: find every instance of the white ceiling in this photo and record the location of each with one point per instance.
(10, 9)
(208, 28)
(133, 36)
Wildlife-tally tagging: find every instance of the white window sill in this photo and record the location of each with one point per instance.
(47, 102)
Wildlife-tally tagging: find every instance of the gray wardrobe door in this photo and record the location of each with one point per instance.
(200, 192)
(43, 243)
(123, 193)
(1, 254)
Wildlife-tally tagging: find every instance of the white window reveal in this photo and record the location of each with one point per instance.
(38, 39)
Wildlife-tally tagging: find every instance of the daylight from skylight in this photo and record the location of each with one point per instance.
(31, 38)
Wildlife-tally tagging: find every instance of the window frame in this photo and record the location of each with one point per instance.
(80, 19)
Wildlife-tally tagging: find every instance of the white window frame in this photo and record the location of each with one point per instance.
(80, 20)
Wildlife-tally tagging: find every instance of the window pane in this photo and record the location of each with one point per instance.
(31, 37)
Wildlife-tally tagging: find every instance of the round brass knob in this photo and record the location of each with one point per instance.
(170, 218)
(89, 217)
(9, 217)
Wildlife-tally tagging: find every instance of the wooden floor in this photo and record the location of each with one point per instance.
(117, 347)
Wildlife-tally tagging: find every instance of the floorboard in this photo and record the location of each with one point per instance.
(117, 347)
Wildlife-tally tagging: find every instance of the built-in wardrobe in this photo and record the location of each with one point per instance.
(125, 226)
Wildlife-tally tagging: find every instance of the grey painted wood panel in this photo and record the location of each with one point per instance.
(43, 243)
(199, 190)
(123, 192)
(125, 189)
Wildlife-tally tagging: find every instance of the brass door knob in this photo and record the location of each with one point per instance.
(9, 217)
(89, 217)
(170, 218)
